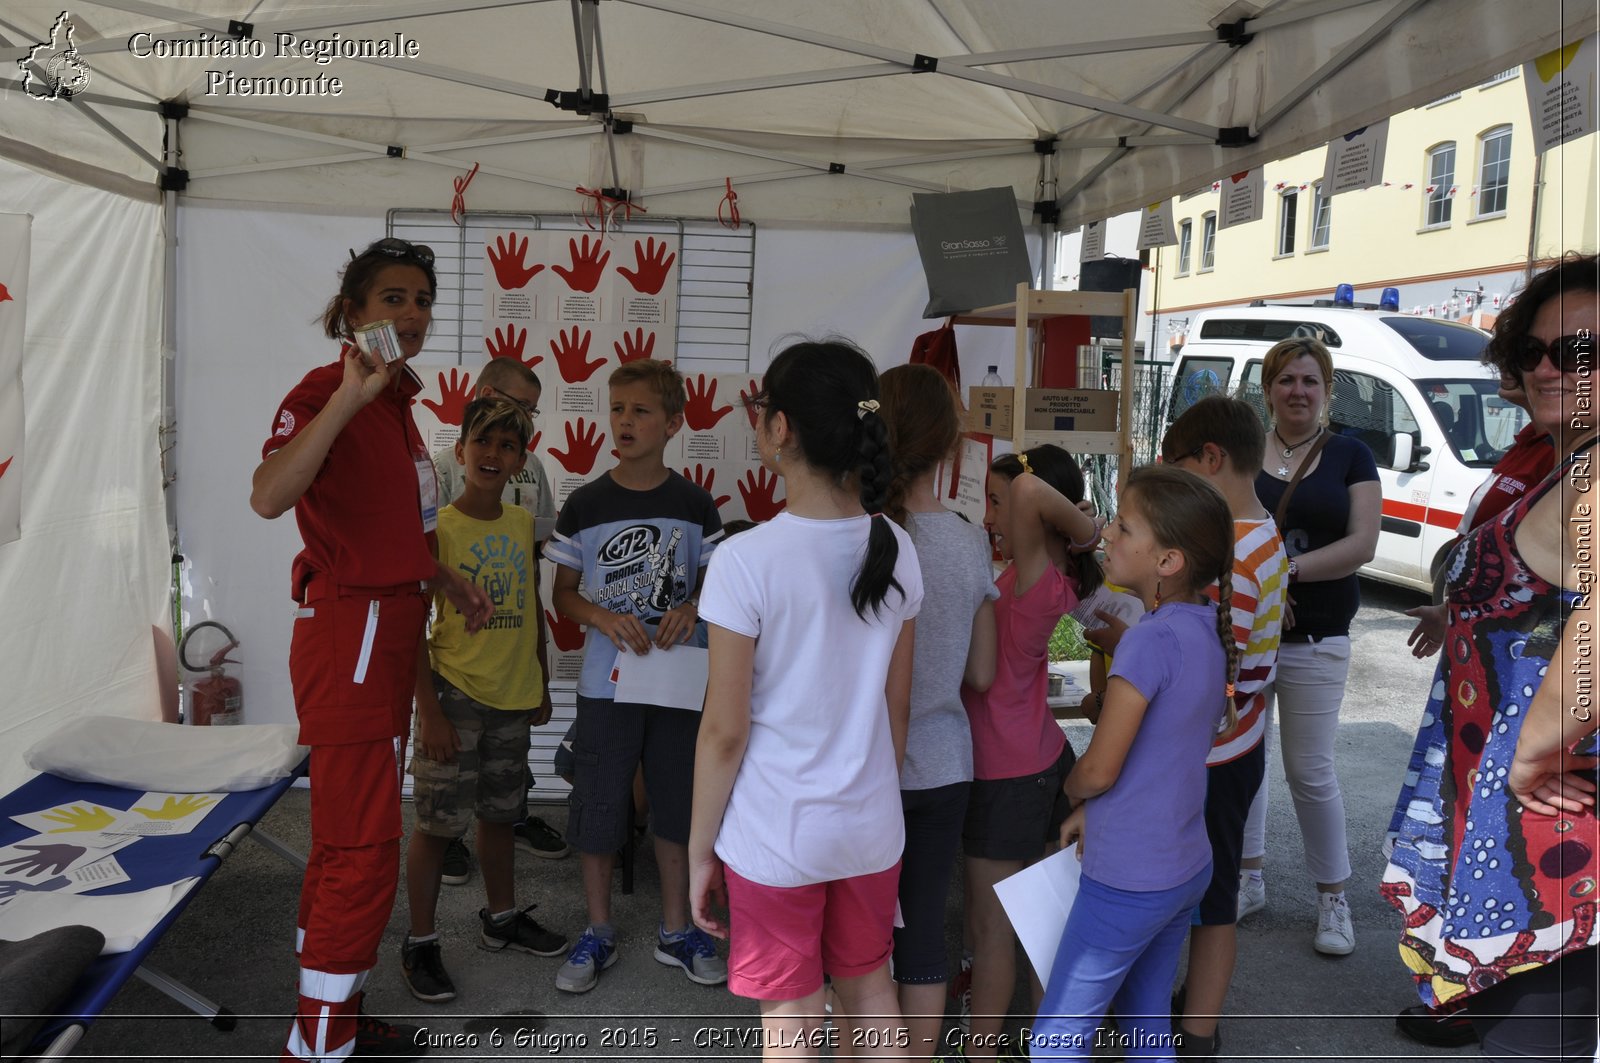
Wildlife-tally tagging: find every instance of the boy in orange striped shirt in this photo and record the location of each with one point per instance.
(1221, 439)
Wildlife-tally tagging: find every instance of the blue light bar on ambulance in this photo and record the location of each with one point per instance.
(1344, 295)
(1390, 299)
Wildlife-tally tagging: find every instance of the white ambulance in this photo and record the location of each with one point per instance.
(1414, 389)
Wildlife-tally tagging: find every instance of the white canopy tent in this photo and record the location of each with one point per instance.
(820, 111)
(823, 115)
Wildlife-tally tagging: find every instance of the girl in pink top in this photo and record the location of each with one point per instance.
(1018, 751)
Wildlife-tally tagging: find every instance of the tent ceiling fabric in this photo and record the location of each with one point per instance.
(1135, 94)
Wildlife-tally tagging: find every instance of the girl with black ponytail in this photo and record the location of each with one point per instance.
(796, 823)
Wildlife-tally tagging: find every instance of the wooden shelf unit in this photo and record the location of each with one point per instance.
(1030, 308)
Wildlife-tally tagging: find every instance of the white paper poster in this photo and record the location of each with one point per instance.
(1094, 241)
(1155, 227)
(1243, 198)
(972, 481)
(1355, 160)
(14, 243)
(1562, 96)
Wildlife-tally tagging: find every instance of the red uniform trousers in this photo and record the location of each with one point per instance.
(353, 664)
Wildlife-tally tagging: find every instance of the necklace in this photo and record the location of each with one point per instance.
(1288, 451)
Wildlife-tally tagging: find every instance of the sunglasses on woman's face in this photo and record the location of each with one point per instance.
(1570, 354)
(395, 247)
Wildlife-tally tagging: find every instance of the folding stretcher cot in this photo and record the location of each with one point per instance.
(151, 861)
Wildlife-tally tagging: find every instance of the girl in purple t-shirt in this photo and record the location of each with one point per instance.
(1140, 786)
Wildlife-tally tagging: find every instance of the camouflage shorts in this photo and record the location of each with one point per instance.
(489, 777)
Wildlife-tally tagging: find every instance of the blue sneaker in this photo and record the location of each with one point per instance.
(591, 955)
(693, 951)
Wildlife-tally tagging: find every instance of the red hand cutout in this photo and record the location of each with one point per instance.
(572, 355)
(566, 634)
(508, 343)
(584, 276)
(583, 443)
(748, 397)
(652, 266)
(533, 444)
(507, 262)
(704, 477)
(454, 397)
(7, 464)
(634, 346)
(757, 494)
(699, 413)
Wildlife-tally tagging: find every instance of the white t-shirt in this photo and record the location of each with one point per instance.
(817, 797)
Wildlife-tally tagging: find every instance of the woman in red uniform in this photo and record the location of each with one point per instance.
(347, 457)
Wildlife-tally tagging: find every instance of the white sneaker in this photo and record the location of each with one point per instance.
(1252, 893)
(1335, 936)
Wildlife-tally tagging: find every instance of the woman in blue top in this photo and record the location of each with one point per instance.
(1141, 784)
(1329, 531)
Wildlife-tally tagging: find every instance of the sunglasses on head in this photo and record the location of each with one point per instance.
(1570, 354)
(394, 247)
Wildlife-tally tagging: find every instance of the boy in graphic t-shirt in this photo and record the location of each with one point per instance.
(639, 538)
(476, 699)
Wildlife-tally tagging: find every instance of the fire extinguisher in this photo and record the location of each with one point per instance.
(218, 698)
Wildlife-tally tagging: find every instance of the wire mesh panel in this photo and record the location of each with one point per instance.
(716, 278)
(1152, 388)
(716, 275)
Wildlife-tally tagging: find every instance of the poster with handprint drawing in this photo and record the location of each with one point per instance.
(79, 822)
(159, 814)
(43, 857)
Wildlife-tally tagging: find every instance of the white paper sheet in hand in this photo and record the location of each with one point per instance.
(674, 678)
(1037, 900)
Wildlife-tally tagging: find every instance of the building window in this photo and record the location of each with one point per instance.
(1494, 170)
(1208, 242)
(1288, 213)
(1321, 218)
(1441, 178)
(1185, 244)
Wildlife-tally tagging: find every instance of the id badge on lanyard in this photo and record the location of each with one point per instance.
(427, 493)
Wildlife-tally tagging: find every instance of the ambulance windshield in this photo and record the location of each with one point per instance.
(1479, 424)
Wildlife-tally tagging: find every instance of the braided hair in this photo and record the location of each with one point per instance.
(828, 390)
(1188, 514)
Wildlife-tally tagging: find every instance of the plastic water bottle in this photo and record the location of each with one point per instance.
(991, 379)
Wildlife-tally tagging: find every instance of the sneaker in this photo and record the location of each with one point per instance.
(694, 951)
(1439, 1029)
(457, 864)
(1252, 893)
(591, 955)
(536, 836)
(422, 966)
(961, 993)
(394, 1040)
(1335, 936)
(520, 932)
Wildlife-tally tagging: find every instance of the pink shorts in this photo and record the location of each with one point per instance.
(785, 937)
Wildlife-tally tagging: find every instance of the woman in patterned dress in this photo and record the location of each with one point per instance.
(1495, 864)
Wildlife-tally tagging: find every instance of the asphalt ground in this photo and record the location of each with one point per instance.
(234, 944)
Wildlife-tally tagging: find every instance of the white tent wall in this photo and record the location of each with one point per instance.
(88, 579)
(253, 281)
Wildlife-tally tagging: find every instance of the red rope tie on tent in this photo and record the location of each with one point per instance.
(730, 199)
(599, 205)
(458, 205)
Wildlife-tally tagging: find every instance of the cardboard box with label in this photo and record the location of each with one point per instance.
(1049, 410)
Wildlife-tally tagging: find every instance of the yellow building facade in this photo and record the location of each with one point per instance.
(1465, 203)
